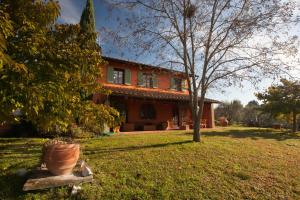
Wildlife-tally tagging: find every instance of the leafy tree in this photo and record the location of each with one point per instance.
(87, 21)
(214, 42)
(282, 99)
(88, 25)
(251, 113)
(24, 30)
(55, 70)
(233, 111)
(5, 31)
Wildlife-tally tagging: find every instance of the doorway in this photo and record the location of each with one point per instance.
(175, 117)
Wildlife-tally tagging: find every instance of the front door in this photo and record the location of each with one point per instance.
(175, 116)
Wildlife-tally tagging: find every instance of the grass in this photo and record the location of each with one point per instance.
(230, 163)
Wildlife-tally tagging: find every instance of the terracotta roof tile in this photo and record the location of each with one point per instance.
(151, 93)
(141, 64)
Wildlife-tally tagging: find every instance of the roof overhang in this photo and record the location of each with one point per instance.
(152, 94)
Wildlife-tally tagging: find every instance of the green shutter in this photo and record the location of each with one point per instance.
(183, 84)
(172, 84)
(110, 74)
(127, 77)
(155, 83)
(140, 79)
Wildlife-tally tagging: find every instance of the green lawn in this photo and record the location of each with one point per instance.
(231, 163)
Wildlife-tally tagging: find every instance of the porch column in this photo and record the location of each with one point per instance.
(180, 113)
(106, 127)
(212, 115)
(107, 102)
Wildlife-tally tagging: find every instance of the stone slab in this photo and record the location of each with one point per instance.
(42, 179)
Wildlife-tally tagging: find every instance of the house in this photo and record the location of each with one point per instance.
(149, 97)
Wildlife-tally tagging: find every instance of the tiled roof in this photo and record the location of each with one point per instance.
(141, 64)
(152, 94)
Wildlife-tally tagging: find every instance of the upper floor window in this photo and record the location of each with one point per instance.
(148, 80)
(178, 84)
(118, 76)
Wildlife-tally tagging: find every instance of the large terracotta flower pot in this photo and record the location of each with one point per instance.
(60, 159)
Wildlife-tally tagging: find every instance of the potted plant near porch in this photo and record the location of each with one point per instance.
(60, 156)
(117, 124)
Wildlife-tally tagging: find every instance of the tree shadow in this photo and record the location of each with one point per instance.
(254, 134)
(14, 149)
(11, 185)
(96, 150)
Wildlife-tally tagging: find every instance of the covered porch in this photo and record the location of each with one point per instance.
(150, 114)
(157, 111)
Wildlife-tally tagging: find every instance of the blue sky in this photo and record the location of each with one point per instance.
(71, 12)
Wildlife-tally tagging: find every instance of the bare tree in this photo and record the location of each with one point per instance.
(212, 40)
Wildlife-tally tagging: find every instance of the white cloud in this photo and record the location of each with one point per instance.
(70, 13)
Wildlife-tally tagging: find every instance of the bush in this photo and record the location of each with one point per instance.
(79, 132)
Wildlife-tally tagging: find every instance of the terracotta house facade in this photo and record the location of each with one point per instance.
(150, 98)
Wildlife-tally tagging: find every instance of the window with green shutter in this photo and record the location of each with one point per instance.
(119, 77)
(183, 85)
(176, 84)
(110, 74)
(172, 83)
(148, 80)
(127, 77)
(155, 82)
(140, 79)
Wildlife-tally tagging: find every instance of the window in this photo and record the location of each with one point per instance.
(148, 79)
(177, 84)
(147, 111)
(118, 76)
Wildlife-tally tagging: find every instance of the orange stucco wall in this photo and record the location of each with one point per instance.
(208, 114)
(164, 111)
(163, 76)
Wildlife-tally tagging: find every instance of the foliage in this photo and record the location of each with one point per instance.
(88, 25)
(6, 30)
(58, 74)
(87, 21)
(282, 99)
(79, 132)
(94, 117)
(251, 113)
(233, 111)
(231, 163)
(24, 29)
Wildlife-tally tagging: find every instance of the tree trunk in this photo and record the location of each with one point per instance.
(196, 134)
(197, 119)
(295, 126)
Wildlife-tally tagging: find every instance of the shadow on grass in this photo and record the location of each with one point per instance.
(13, 149)
(252, 133)
(11, 186)
(90, 150)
